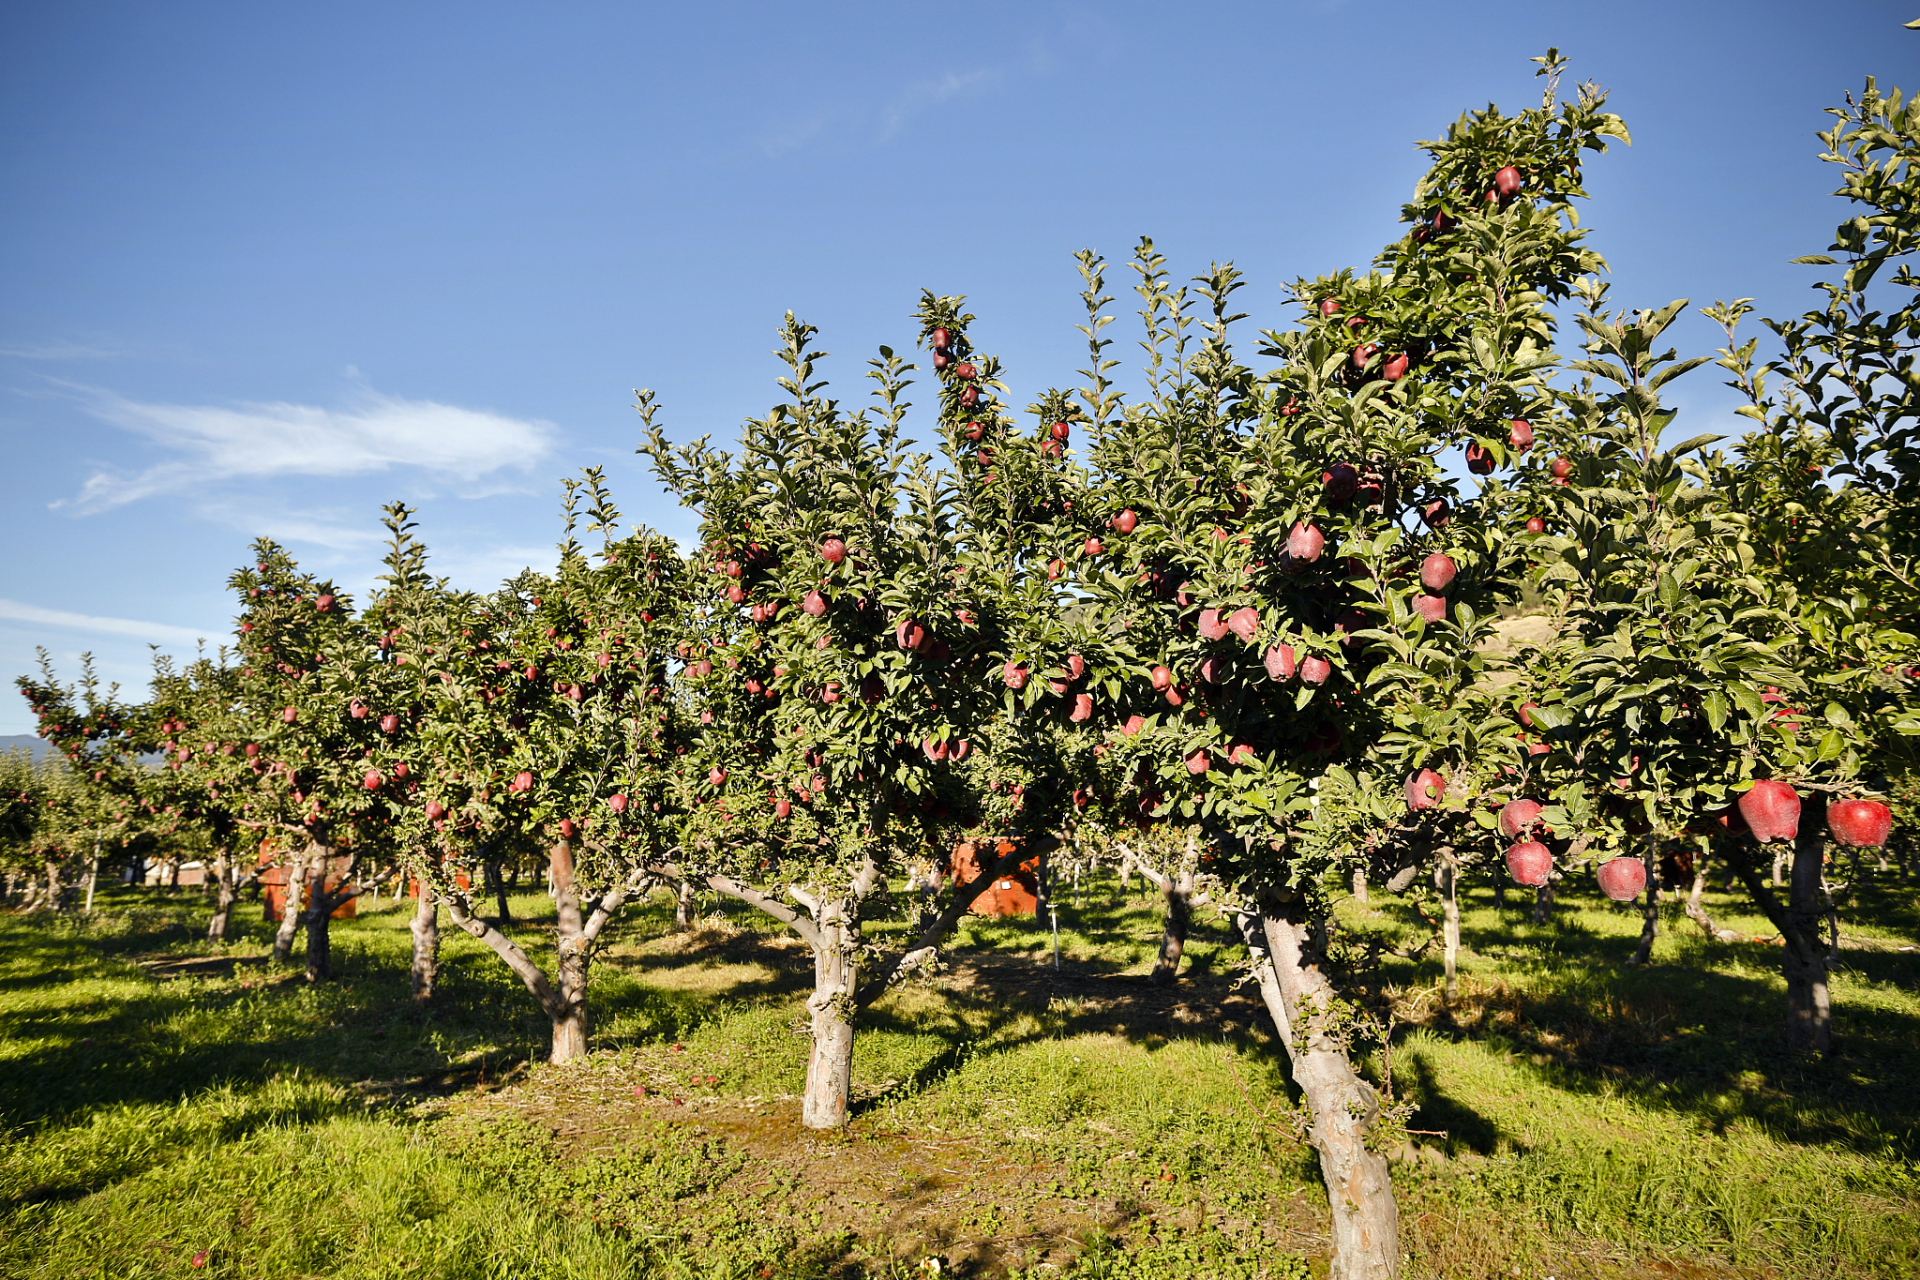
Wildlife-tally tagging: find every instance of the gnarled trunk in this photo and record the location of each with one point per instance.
(1446, 877)
(1344, 1108)
(426, 943)
(836, 980)
(291, 906)
(225, 893)
(563, 998)
(1176, 892)
(56, 891)
(683, 907)
(1698, 913)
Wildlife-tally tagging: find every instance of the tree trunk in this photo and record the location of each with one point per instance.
(1779, 865)
(1176, 889)
(1543, 902)
(499, 885)
(426, 943)
(1343, 1107)
(291, 908)
(1360, 885)
(836, 979)
(224, 895)
(1809, 1012)
(55, 890)
(683, 907)
(1698, 913)
(1447, 877)
(569, 1014)
(1649, 908)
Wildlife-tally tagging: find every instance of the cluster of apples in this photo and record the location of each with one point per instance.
(1769, 811)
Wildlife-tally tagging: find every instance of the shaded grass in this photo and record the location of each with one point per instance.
(1011, 1118)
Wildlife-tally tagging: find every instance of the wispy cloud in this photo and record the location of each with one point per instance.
(54, 351)
(17, 611)
(259, 441)
(920, 96)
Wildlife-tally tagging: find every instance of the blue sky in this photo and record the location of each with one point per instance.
(267, 267)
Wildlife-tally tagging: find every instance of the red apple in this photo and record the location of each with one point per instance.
(815, 604)
(1622, 878)
(522, 781)
(1126, 522)
(1424, 789)
(940, 338)
(1092, 546)
(389, 723)
(1212, 670)
(357, 709)
(1435, 513)
(1530, 863)
(1520, 435)
(782, 808)
(1536, 525)
(1860, 824)
(1395, 368)
(372, 781)
(833, 551)
(830, 692)
(435, 811)
(1061, 431)
(1315, 671)
(1055, 568)
(1305, 542)
(1479, 459)
(975, 430)
(1338, 484)
(1134, 725)
(1082, 708)
(1211, 626)
(1772, 811)
(1364, 352)
(1198, 761)
(941, 360)
(323, 603)
(1329, 306)
(617, 802)
(1245, 623)
(716, 775)
(1280, 662)
(1506, 183)
(1518, 816)
(1437, 572)
(253, 749)
(1561, 468)
(970, 397)
(935, 749)
(289, 715)
(1431, 608)
(1014, 674)
(1526, 714)
(1162, 679)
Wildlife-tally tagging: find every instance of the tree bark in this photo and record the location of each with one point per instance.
(683, 907)
(563, 997)
(1343, 1107)
(1176, 891)
(1447, 877)
(426, 943)
(1698, 913)
(228, 887)
(1649, 909)
(836, 980)
(290, 908)
(1809, 1010)
(93, 875)
(498, 883)
(55, 890)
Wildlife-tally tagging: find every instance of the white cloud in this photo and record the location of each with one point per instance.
(258, 441)
(17, 611)
(53, 351)
(916, 98)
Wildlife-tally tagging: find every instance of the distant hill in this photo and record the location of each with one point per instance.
(16, 741)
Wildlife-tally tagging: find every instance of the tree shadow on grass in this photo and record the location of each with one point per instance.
(1700, 1030)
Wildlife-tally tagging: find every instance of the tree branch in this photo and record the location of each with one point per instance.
(531, 976)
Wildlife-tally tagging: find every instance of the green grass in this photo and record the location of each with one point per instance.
(1011, 1119)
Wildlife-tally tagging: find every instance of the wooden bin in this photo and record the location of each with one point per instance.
(273, 891)
(1014, 894)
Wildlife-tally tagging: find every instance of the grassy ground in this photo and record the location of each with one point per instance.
(161, 1097)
